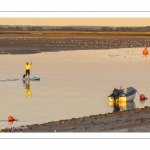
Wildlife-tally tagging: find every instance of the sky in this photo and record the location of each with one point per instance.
(75, 13)
(76, 21)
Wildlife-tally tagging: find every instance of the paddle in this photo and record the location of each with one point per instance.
(24, 75)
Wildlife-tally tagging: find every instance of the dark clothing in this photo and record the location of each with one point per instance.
(27, 72)
(116, 107)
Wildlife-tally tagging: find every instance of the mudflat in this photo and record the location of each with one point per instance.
(36, 43)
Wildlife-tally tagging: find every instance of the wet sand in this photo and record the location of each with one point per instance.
(34, 43)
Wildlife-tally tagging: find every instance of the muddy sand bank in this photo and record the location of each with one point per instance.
(30, 43)
(136, 120)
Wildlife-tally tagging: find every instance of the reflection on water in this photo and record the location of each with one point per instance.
(27, 89)
(10, 122)
(142, 101)
(120, 105)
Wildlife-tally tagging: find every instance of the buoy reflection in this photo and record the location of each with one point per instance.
(145, 54)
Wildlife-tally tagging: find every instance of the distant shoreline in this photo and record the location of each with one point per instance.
(79, 33)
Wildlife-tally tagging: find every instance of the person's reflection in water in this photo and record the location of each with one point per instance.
(116, 107)
(27, 89)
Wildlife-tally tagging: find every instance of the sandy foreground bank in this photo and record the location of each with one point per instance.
(136, 120)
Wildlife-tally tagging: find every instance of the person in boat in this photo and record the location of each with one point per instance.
(27, 70)
(116, 107)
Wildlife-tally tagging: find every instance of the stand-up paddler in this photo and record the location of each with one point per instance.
(28, 69)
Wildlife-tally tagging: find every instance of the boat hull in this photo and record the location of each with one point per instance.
(123, 97)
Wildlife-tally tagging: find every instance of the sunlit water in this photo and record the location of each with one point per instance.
(73, 84)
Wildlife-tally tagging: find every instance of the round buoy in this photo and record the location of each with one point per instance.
(142, 97)
(10, 118)
(145, 52)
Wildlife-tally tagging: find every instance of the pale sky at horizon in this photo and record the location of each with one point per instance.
(76, 21)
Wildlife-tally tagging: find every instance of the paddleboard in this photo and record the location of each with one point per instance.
(31, 79)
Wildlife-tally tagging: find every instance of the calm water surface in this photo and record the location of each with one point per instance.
(73, 84)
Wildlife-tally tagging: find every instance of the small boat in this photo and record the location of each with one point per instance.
(127, 94)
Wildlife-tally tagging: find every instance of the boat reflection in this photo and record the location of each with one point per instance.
(27, 89)
(121, 105)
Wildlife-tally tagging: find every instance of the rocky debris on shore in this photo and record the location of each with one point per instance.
(136, 120)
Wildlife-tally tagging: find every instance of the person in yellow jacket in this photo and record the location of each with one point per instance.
(28, 69)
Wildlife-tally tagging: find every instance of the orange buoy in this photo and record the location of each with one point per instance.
(142, 97)
(10, 118)
(145, 51)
